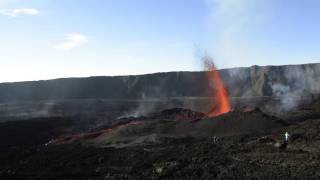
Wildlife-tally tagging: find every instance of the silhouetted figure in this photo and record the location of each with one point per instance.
(286, 137)
(283, 146)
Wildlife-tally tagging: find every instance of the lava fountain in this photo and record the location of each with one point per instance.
(220, 100)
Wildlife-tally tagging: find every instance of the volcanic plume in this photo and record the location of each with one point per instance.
(220, 101)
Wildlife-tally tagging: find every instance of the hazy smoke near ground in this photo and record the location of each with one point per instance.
(298, 86)
(145, 106)
(152, 99)
(291, 86)
(289, 99)
(23, 111)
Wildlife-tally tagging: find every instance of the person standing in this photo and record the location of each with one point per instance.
(286, 137)
(283, 146)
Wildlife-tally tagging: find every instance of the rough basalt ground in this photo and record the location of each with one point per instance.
(244, 155)
(240, 157)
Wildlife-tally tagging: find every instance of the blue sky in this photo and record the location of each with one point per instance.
(44, 39)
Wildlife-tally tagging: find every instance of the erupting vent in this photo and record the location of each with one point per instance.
(220, 101)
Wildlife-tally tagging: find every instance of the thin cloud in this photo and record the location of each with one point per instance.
(231, 22)
(19, 11)
(73, 40)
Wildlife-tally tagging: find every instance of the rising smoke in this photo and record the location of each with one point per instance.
(298, 87)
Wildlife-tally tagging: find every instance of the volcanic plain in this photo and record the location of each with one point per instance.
(132, 128)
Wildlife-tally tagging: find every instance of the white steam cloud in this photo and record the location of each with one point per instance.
(298, 85)
(73, 40)
(231, 23)
(20, 11)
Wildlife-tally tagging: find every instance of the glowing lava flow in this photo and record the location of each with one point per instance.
(89, 135)
(220, 100)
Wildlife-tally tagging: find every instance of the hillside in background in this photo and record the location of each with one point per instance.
(242, 82)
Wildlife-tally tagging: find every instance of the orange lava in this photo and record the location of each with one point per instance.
(89, 135)
(220, 100)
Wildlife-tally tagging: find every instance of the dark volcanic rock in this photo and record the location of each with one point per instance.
(239, 122)
(230, 146)
(177, 114)
(33, 132)
(165, 124)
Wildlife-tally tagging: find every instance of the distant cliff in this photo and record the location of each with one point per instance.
(242, 82)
